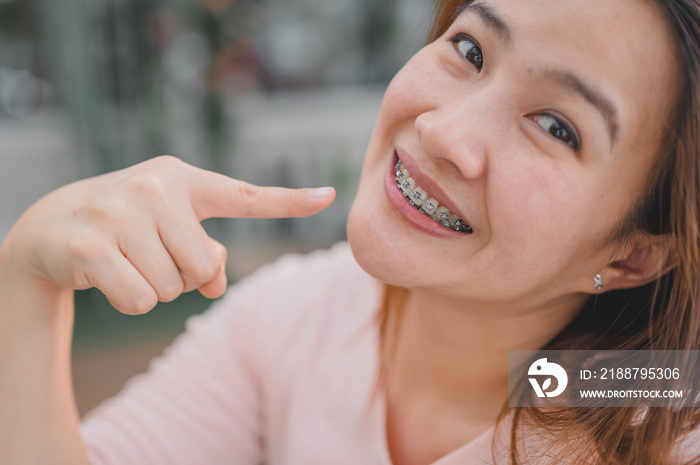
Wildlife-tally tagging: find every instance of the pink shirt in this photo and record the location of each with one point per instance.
(278, 372)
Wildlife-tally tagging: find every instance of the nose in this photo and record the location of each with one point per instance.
(451, 132)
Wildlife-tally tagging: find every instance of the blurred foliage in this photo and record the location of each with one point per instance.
(97, 322)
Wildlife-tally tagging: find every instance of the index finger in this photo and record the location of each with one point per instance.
(216, 195)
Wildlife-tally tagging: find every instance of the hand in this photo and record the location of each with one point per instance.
(135, 234)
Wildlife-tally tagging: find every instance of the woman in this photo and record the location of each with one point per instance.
(533, 170)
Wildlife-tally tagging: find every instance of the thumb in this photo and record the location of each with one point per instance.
(217, 286)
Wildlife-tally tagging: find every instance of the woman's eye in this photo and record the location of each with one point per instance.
(468, 48)
(558, 129)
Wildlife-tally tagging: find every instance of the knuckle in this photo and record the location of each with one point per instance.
(295, 200)
(79, 278)
(189, 284)
(105, 214)
(167, 161)
(220, 249)
(165, 164)
(143, 304)
(85, 248)
(247, 195)
(223, 253)
(205, 269)
(147, 185)
(171, 292)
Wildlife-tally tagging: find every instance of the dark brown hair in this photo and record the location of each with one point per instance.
(662, 315)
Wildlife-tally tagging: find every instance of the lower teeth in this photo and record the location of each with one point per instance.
(428, 206)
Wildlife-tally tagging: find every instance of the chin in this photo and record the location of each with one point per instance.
(375, 248)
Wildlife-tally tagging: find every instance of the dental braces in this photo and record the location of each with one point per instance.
(429, 207)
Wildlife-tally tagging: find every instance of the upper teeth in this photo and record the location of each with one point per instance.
(427, 205)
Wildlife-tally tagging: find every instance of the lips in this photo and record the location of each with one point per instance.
(426, 196)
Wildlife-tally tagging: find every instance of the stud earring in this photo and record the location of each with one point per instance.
(598, 282)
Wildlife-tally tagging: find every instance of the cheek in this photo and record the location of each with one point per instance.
(538, 208)
(413, 90)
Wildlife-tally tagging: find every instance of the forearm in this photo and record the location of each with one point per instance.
(39, 423)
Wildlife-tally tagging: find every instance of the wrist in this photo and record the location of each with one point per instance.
(16, 270)
(32, 310)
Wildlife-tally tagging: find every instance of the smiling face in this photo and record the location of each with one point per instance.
(537, 123)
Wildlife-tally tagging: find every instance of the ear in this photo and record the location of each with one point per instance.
(647, 259)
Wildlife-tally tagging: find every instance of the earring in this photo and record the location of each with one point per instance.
(598, 282)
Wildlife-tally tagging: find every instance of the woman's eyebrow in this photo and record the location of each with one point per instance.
(488, 16)
(572, 82)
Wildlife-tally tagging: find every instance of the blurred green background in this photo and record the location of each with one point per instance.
(273, 92)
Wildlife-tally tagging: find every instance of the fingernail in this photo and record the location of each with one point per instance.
(321, 192)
